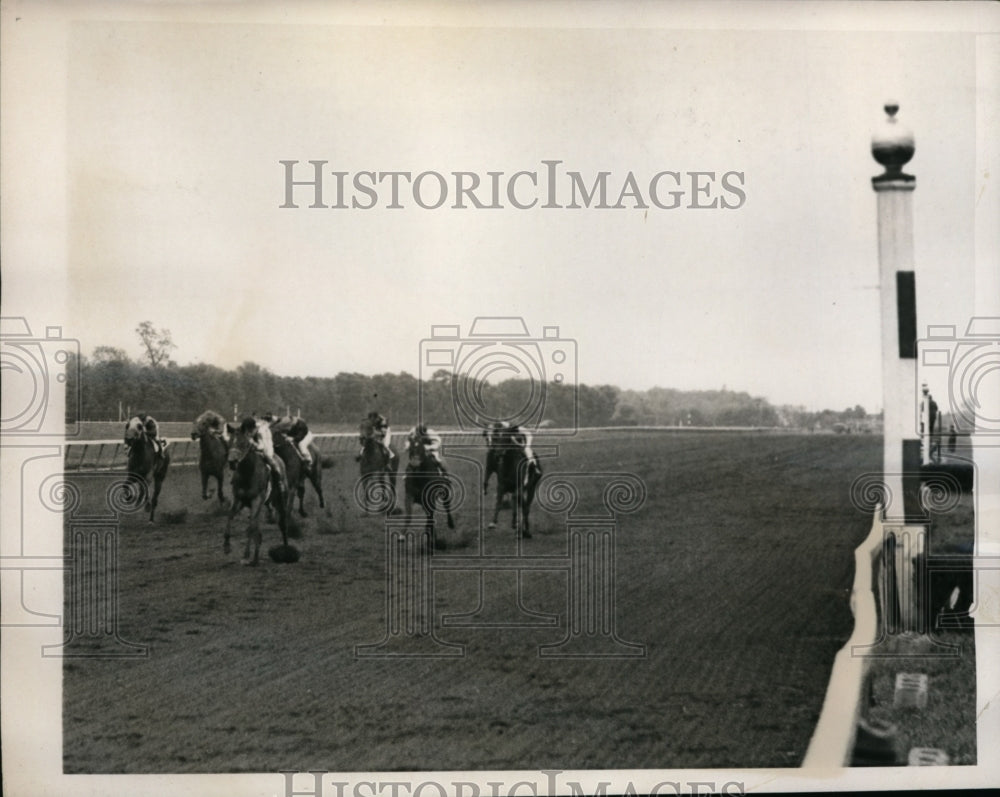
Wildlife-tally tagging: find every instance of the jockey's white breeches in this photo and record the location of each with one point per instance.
(304, 444)
(264, 441)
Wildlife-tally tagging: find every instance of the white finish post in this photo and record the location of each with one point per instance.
(892, 146)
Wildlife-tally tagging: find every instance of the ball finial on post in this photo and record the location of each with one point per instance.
(892, 145)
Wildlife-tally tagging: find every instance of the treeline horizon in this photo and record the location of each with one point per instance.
(111, 385)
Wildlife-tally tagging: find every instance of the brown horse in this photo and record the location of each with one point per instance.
(517, 476)
(427, 483)
(214, 450)
(145, 461)
(379, 469)
(299, 471)
(254, 486)
(495, 436)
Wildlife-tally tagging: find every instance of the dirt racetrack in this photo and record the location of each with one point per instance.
(734, 575)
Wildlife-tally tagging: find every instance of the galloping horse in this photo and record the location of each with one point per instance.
(253, 487)
(208, 430)
(426, 482)
(298, 470)
(379, 465)
(494, 437)
(144, 460)
(517, 476)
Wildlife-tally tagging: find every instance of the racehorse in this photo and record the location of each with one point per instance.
(145, 461)
(254, 486)
(214, 451)
(298, 470)
(426, 482)
(517, 476)
(494, 437)
(378, 465)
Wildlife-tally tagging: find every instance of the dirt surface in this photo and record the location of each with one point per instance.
(733, 577)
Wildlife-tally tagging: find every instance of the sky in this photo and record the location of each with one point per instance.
(176, 132)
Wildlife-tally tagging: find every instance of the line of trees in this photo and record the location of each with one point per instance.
(110, 384)
(668, 407)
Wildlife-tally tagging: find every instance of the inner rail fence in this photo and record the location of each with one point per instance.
(111, 455)
(840, 738)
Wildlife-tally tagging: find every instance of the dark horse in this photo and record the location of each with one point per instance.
(208, 430)
(254, 485)
(145, 461)
(379, 467)
(494, 438)
(427, 483)
(299, 471)
(517, 476)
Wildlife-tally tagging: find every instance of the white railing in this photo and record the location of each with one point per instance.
(110, 454)
(833, 739)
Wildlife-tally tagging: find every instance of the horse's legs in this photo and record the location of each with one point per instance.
(499, 503)
(250, 533)
(137, 483)
(283, 528)
(246, 548)
(229, 524)
(157, 486)
(316, 477)
(524, 506)
(515, 510)
(408, 491)
(289, 503)
(531, 484)
(204, 484)
(257, 537)
(391, 477)
(409, 511)
(428, 524)
(447, 512)
(222, 496)
(253, 533)
(302, 497)
(147, 505)
(276, 498)
(285, 505)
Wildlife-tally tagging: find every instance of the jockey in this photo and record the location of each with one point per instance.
(522, 439)
(376, 427)
(258, 433)
(428, 438)
(497, 433)
(143, 423)
(296, 430)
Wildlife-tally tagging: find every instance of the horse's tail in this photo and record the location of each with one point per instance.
(327, 461)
